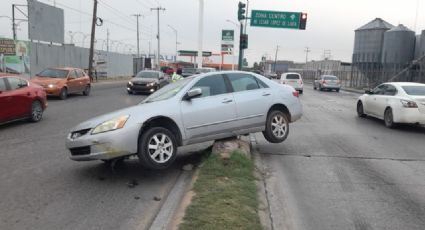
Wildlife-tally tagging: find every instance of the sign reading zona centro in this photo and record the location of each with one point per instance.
(275, 19)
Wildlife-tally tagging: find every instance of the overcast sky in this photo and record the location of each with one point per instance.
(330, 26)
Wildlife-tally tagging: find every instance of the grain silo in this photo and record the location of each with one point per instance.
(398, 47)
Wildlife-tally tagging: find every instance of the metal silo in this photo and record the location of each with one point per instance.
(367, 55)
(399, 46)
(368, 41)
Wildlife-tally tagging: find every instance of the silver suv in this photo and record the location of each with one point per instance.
(200, 108)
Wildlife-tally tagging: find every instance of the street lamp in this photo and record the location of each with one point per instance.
(234, 46)
(175, 31)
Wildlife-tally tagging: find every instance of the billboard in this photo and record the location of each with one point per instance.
(14, 56)
(227, 41)
(45, 22)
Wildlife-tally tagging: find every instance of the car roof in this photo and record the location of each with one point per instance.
(405, 83)
(63, 68)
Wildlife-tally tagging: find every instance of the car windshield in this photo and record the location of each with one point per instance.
(292, 76)
(147, 74)
(168, 91)
(330, 78)
(414, 90)
(54, 73)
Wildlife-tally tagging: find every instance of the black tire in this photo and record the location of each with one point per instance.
(278, 118)
(360, 110)
(63, 94)
(149, 157)
(337, 90)
(129, 92)
(314, 87)
(36, 111)
(86, 91)
(389, 119)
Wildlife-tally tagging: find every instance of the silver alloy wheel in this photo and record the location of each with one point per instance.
(37, 111)
(160, 148)
(279, 126)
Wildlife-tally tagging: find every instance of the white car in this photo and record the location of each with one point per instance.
(293, 79)
(395, 102)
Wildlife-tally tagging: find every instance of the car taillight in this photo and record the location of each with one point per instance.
(409, 104)
(296, 93)
(324, 82)
(301, 82)
(283, 82)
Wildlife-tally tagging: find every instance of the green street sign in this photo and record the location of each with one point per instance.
(275, 19)
(227, 35)
(193, 53)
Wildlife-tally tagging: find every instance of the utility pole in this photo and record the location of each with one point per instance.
(175, 31)
(157, 37)
(200, 33)
(137, 17)
(93, 30)
(275, 58)
(307, 50)
(107, 40)
(13, 22)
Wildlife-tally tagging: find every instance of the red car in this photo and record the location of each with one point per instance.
(20, 99)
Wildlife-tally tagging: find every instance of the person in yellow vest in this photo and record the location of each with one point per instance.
(177, 75)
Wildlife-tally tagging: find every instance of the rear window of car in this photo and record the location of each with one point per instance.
(414, 90)
(330, 78)
(292, 76)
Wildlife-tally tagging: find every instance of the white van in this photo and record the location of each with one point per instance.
(293, 79)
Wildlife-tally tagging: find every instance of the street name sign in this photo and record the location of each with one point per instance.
(275, 19)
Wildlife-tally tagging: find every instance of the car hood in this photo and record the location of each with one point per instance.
(46, 80)
(138, 114)
(143, 80)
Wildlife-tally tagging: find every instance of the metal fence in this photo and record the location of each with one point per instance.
(369, 75)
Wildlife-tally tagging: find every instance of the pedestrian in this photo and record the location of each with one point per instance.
(177, 75)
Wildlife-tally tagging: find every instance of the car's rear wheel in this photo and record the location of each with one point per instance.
(86, 91)
(389, 119)
(157, 148)
(63, 94)
(277, 127)
(360, 110)
(36, 111)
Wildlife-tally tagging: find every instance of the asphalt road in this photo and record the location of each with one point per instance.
(338, 171)
(41, 188)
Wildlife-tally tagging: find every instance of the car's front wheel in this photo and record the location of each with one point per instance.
(86, 91)
(63, 94)
(36, 111)
(277, 127)
(360, 110)
(157, 148)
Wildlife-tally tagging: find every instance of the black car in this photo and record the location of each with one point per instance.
(187, 72)
(147, 81)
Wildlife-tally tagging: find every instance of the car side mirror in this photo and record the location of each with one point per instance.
(193, 93)
(161, 78)
(368, 91)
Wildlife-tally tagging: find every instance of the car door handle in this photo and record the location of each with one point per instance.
(266, 94)
(226, 101)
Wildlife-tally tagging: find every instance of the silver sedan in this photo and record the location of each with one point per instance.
(200, 108)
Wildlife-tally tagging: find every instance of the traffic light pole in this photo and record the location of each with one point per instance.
(240, 49)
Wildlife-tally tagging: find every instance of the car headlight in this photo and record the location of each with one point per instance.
(51, 86)
(151, 84)
(113, 124)
(130, 83)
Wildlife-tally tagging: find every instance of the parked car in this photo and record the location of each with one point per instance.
(293, 79)
(327, 82)
(196, 109)
(61, 82)
(395, 102)
(147, 81)
(187, 72)
(271, 75)
(20, 99)
(167, 70)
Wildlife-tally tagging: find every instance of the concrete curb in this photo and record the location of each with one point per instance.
(263, 209)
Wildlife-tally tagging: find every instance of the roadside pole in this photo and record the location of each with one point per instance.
(240, 49)
(200, 32)
(93, 30)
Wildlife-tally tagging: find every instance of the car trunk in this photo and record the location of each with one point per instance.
(420, 101)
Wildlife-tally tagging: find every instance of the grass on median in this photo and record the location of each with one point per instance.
(225, 195)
